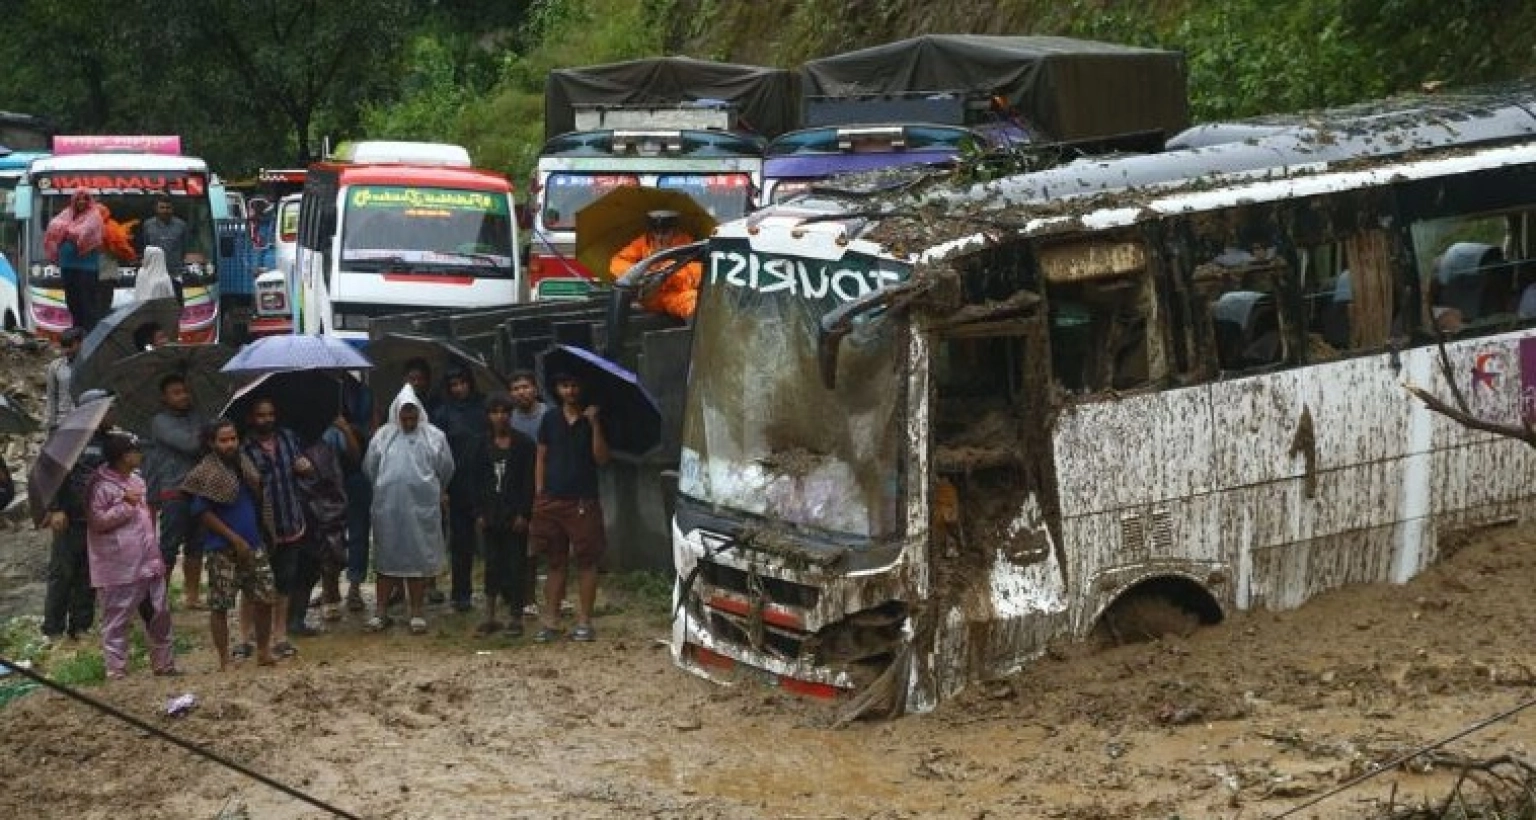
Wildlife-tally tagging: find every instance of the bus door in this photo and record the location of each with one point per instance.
(994, 486)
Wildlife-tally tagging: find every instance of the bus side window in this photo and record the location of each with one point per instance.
(1474, 272)
(1242, 306)
(1099, 334)
(1348, 296)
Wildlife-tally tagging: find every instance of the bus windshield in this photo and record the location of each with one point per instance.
(130, 198)
(761, 434)
(467, 231)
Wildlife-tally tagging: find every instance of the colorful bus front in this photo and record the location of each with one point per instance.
(127, 175)
(376, 240)
(721, 172)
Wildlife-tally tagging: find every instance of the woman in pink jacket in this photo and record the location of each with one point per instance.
(124, 550)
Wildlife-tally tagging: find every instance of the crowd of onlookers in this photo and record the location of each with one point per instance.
(259, 518)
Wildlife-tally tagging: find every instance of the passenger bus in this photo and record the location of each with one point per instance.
(13, 167)
(392, 227)
(127, 174)
(720, 170)
(919, 448)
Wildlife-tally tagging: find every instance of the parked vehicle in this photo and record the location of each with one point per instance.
(916, 451)
(277, 287)
(13, 167)
(126, 173)
(387, 227)
(673, 122)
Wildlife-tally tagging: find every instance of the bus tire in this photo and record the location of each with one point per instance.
(1156, 609)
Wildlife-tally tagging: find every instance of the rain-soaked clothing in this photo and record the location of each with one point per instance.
(410, 471)
(677, 295)
(127, 569)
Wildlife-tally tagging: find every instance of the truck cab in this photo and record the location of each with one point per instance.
(276, 286)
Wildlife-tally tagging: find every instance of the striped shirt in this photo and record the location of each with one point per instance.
(274, 459)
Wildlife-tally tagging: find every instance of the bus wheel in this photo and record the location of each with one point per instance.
(1155, 609)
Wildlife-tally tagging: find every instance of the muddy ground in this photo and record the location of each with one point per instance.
(1244, 719)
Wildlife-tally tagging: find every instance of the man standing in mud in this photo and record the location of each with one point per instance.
(227, 499)
(280, 462)
(175, 445)
(69, 607)
(567, 523)
(461, 417)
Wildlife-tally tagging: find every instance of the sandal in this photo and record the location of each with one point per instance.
(378, 623)
(418, 626)
(169, 672)
(242, 651)
(584, 633)
(285, 649)
(546, 635)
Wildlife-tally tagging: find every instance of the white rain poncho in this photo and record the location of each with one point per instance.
(410, 472)
(154, 279)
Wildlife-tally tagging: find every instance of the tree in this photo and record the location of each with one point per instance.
(308, 60)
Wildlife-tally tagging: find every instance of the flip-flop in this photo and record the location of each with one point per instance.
(418, 626)
(242, 651)
(285, 649)
(378, 623)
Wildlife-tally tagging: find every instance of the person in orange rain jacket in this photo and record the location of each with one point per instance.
(677, 295)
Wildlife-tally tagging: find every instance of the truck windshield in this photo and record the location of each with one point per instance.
(465, 231)
(724, 196)
(565, 194)
(761, 434)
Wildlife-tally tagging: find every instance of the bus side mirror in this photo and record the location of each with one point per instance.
(838, 323)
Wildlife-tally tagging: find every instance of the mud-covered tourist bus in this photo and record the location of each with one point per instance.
(127, 174)
(921, 443)
(391, 227)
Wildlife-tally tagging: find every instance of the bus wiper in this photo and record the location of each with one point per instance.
(838, 322)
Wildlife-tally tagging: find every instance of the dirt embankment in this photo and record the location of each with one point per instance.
(1244, 719)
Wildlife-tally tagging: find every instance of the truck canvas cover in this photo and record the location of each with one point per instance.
(766, 99)
(1065, 88)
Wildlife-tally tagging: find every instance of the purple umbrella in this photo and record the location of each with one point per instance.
(275, 354)
(630, 417)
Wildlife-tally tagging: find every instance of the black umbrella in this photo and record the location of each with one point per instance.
(13, 419)
(60, 452)
(391, 351)
(307, 401)
(630, 417)
(135, 381)
(112, 340)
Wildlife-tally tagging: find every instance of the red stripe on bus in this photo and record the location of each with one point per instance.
(429, 278)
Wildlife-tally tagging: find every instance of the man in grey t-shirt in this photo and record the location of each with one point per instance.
(168, 232)
(527, 410)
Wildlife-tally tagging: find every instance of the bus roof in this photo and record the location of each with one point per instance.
(1354, 137)
(19, 160)
(433, 177)
(1156, 204)
(137, 162)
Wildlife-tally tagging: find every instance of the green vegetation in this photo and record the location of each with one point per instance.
(263, 84)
